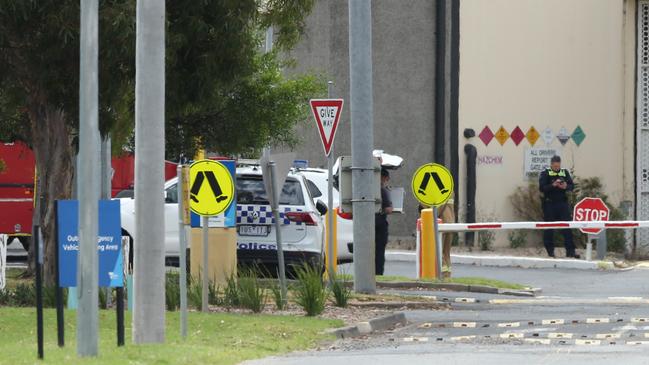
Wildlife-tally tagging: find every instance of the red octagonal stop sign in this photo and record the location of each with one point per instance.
(591, 209)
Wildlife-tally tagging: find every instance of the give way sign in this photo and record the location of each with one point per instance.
(591, 209)
(327, 114)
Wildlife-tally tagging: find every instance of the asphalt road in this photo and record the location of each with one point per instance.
(582, 317)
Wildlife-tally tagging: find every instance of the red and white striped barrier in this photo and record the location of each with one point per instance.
(489, 226)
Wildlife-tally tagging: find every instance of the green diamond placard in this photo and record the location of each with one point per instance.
(578, 135)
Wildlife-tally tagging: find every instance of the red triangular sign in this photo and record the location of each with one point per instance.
(327, 114)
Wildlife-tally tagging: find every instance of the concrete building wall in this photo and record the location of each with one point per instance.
(547, 64)
(404, 63)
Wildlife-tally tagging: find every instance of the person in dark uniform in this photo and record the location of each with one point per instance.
(381, 224)
(554, 183)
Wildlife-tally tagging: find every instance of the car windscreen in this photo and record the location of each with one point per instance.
(251, 190)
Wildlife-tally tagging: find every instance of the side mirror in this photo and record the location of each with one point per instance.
(321, 207)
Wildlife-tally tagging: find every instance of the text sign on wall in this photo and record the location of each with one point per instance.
(109, 243)
(538, 159)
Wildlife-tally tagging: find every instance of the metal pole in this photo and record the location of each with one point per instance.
(149, 258)
(183, 252)
(206, 262)
(589, 248)
(269, 39)
(360, 66)
(438, 244)
(278, 232)
(330, 205)
(88, 164)
(105, 192)
(38, 256)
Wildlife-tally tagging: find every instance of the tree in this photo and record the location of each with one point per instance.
(222, 93)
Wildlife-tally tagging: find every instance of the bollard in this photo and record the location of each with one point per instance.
(335, 243)
(430, 254)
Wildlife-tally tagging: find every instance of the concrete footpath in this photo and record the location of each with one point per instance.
(510, 261)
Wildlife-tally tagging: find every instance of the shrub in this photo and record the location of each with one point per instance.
(172, 291)
(517, 238)
(340, 291)
(310, 292)
(195, 292)
(231, 292)
(24, 295)
(6, 297)
(276, 291)
(251, 294)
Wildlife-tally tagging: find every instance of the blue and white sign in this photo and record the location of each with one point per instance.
(226, 219)
(109, 243)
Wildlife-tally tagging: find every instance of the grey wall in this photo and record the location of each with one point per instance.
(404, 64)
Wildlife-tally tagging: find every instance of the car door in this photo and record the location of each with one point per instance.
(171, 220)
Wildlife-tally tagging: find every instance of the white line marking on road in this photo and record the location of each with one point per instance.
(511, 335)
(462, 338)
(625, 328)
(426, 325)
(553, 321)
(597, 320)
(464, 324)
(604, 336)
(509, 325)
(637, 342)
(415, 339)
(639, 320)
(626, 298)
(542, 341)
(555, 335)
(465, 300)
(587, 342)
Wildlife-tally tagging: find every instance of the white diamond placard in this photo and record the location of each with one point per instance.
(548, 136)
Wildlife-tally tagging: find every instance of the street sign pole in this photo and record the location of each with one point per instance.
(360, 62)
(149, 258)
(206, 262)
(278, 232)
(89, 183)
(183, 251)
(330, 204)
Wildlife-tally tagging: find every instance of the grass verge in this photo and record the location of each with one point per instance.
(215, 338)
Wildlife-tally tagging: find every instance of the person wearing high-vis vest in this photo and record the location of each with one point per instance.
(555, 183)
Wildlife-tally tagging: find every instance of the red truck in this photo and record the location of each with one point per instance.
(17, 167)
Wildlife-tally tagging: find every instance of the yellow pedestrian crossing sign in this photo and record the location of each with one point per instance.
(212, 187)
(432, 184)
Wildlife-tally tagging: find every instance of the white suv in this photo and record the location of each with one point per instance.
(302, 224)
(317, 183)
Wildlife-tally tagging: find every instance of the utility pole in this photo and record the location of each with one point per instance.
(89, 182)
(360, 66)
(149, 259)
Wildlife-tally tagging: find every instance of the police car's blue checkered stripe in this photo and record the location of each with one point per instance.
(262, 214)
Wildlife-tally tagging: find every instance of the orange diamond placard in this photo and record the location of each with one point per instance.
(501, 135)
(532, 136)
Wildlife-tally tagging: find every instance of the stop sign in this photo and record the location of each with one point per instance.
(591, 209)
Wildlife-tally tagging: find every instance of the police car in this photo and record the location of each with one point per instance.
(302, 224)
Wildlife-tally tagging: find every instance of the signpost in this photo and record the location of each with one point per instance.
(211, 193)
(326, 113)
(432, 186)
(591, 209)
(108, 248)
(274, 169)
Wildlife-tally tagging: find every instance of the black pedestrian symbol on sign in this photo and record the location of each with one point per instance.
(214, 185)
(438, 182)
